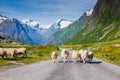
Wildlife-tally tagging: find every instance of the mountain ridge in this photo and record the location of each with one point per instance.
(103, 25)
(64, 34)
(28, 31)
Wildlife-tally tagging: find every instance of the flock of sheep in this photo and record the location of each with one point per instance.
(75, 54)
(5, 52)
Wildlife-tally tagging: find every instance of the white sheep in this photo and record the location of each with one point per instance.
(65, 54)
(9, 51)
(54, 56)
(83, 55)
(1, 52)
(75, 55)
(21, 51)
(90, 55)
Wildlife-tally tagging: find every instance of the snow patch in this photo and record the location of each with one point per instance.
(30, 22)
(65, 24)
(2, 19)
(89, 12)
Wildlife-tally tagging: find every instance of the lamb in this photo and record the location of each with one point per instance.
(75, 55)
(54, 56)
(21, 51)
(65, 54)
(83, 55)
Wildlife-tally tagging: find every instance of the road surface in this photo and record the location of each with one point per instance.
(46, 70)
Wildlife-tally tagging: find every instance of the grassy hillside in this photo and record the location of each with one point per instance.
(105, 27)
(100, 34)
(35, 53)
(107, 51)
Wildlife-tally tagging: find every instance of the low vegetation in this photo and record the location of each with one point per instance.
(35, 53)
(108, 51)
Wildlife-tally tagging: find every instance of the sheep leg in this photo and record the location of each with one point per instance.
(91, 60)
(83, 61)
(53, 60)
(25, 54)
(15, 56)
(80, 60)
(4, 55)
(64, 60)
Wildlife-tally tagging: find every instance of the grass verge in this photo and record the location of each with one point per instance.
(35, 54)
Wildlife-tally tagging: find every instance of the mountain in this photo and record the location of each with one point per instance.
(38, 28)
(104, 24)
(33, 24)
(15, 29)
(60, 24)
(65, 33)
(29, 31)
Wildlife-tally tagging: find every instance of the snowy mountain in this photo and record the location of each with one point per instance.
(12, 28)
(15, 29)
(29, 31)
(60, 24)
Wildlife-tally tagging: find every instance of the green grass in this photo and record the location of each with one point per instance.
(35, 54)
(107, 51)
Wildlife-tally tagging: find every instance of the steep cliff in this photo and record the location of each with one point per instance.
(104, 24)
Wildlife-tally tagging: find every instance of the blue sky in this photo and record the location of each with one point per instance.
(45, 11)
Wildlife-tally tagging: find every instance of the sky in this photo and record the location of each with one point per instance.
(45, 11)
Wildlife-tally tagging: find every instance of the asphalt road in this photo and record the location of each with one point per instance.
(46, 70)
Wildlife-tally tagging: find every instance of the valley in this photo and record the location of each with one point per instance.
(94, 28)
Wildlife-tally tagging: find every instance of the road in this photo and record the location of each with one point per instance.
(46, 70)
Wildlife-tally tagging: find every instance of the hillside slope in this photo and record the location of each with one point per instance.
(104, 24)
(65, 33)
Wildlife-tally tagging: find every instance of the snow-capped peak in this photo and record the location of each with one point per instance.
(30, 22)
(64, 23)
(2, 18)
(33, 24)
(89, 12)
(61, 23)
